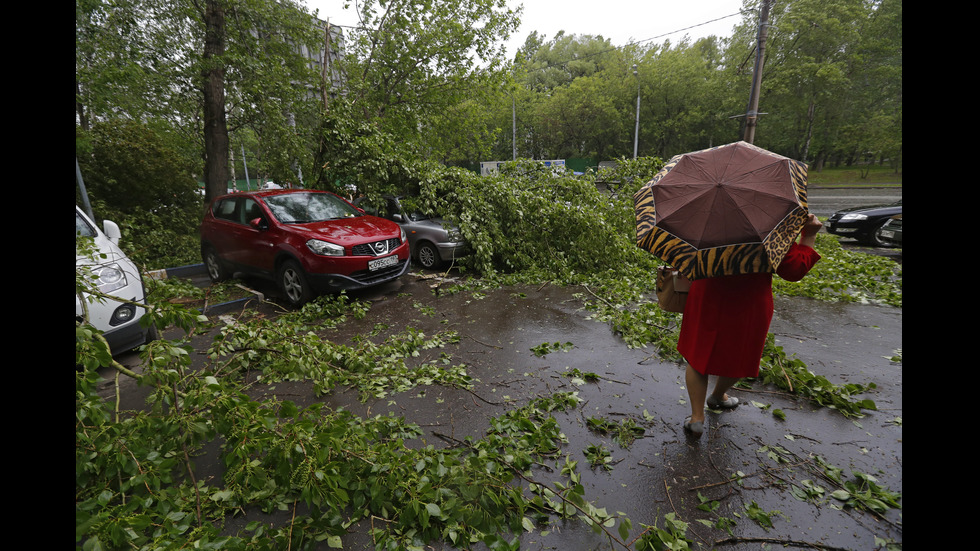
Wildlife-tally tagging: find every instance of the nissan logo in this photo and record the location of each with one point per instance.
(380, 247)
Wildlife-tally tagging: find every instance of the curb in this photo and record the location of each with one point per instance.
(194, 270)
(180, 271)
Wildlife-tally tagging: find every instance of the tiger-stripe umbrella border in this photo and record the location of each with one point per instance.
(763, 256)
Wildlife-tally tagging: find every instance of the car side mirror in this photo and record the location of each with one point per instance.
(259, 223)
(396, 218)
(111, 230)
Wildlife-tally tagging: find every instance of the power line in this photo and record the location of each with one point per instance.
(638, 42)
(710, 21)
(689, 28)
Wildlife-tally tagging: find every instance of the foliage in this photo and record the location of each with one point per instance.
(546, 348)
(130, 491)
(762, 517)
(529, 219)
(863, 492)
(866, 493)
(275, 351)
(421, 72)
(135, 167)
(847, 176)
(125, 69)
(847, 276)
(152, 59)
(672, 536)
(136, 176)
(831, 89)
(411, 88)
(338, 468)
(357, 158)
(624, 433)
(832, 85)
(412, 68)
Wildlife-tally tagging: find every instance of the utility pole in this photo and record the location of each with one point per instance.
(752, 116)
(636, 132)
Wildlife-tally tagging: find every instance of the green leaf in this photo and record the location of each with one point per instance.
(433, 510)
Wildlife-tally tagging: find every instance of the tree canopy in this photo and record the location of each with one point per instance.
(241, 83)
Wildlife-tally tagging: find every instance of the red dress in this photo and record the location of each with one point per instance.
(726, 319)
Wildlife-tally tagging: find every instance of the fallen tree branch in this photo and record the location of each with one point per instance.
(776, 541)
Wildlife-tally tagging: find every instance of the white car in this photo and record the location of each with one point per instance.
(113, 274)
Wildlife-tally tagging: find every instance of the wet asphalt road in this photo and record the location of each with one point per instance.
(824, 201)
(665, 471)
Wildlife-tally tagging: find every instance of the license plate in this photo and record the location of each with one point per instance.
(379, 263)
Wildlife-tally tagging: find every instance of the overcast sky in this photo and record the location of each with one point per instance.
(620, 21)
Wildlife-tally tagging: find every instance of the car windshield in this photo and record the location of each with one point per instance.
(82, 229)
(413, 215)
(302, 208)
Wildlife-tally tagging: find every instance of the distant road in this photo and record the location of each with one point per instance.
(824, 201)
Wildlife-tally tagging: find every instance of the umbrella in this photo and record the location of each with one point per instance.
(731, 209)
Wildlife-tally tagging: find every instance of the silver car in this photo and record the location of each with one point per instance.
(433, 241)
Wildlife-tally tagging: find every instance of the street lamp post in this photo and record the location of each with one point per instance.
(636, 133)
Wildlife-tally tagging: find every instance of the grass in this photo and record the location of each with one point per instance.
(862, 175)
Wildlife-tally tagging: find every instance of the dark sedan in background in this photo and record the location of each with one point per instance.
(862, 223)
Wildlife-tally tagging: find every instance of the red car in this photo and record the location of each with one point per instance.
(309, 242)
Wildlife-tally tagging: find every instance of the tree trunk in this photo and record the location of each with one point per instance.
(809, 131)
(213, 90)
(80, 109)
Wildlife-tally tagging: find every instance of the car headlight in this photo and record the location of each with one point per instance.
(404, 235)
(454, 235)
(109, 277)
(854, 216)
(324, 248)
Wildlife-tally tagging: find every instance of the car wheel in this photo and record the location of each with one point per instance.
(875, 239)
(216, 268)
(428, 255)
(294, 284)
(152, 334)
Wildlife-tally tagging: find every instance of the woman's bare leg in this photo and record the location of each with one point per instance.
(697, 390)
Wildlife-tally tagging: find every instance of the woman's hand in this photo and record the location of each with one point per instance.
(809, 231)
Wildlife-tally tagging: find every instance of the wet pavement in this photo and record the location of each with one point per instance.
(665, 470)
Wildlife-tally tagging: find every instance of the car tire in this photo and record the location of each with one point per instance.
(152, 334)
(874, 239)
(427, 255)
(294, 284)
(217, 271)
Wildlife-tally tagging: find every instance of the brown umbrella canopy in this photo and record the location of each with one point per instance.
(727, 210)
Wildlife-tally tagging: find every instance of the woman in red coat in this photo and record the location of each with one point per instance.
(726, 321)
